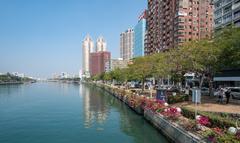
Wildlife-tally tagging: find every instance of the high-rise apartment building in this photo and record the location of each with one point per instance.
(87, 48)
(226, 12)
(152, 34)
(98, 61)
(139, 36)
(126, 44)
(172, 22)
(118, 63)
(101, 44)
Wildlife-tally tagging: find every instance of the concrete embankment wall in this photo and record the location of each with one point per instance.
(171, 130)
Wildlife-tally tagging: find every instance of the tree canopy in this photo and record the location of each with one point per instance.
(203, 57)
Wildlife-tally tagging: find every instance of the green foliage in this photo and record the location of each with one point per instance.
(203, 57)
(227, 40)
(8, 78)
(120, 75)
(107, 76)
(141, 68)
(215, 119)
(227, 138)
(176, 99)
(161, 68)
(213, 137)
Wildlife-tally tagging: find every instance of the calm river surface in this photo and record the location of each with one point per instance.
(68, 113)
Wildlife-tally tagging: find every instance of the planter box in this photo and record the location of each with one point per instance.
(172, 131)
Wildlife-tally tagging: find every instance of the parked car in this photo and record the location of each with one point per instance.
(235, 92)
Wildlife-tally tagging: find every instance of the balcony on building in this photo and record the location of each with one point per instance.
(236, 14)
(227, 18)
(226, 2)
(236, 4)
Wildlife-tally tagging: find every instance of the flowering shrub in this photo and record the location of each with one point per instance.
(136, 101)
(154, 105)
(204, 121)
(172, 113)
(238, 135)
(218, 131)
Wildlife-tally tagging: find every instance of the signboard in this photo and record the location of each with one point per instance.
(161, 94)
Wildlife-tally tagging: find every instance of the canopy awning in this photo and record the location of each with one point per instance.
(226, 79)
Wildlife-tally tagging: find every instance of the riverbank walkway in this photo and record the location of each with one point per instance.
(207, 103)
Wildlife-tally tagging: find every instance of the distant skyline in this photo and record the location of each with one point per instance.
(42, 37)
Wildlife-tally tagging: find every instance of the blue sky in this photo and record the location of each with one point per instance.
(41, 37)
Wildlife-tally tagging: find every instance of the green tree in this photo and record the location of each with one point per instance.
(141, 68)
(200, 57)
(175, 62)
(107, 76)
(227, 40)
(160, 66)
(119, 75)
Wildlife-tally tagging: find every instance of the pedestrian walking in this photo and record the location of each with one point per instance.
(227, 93)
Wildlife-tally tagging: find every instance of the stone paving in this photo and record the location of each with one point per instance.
(210, 104)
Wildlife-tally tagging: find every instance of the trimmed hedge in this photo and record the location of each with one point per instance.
(177, 98)
(215, 119)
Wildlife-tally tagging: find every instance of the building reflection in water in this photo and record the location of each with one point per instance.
(95, 107)
(9, 89)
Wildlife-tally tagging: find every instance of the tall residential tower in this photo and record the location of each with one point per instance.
(87, 48)
(139, 36)
(101, 44)
(126, 44)
(172, 22)
(226, 12)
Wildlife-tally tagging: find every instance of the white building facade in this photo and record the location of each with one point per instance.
(126, 44)
(87, 48)
(226, 12)
(101, 44)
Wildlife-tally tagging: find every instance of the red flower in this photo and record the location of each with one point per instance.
(204, 121)
(218, 131)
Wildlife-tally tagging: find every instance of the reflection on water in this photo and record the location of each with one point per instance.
(69, 113)
(8, 89)
(98, 104)
(95, 109)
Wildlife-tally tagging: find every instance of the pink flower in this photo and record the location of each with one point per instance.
(172, 112)
(204, 121)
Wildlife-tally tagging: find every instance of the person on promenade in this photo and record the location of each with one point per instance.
(220, 96)
(227, 93)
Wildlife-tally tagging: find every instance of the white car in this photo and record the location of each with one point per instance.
(235, 92)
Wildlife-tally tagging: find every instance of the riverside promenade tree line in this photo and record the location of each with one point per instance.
(203, 57)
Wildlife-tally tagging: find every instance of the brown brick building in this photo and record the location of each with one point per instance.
(172, 22)
(98, 61)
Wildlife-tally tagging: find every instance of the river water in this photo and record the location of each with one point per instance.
(68, 113)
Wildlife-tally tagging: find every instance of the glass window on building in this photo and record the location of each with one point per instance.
(218, 13)
(227, 17)
(218, 21)
(218, 4)
(237, 14)
(227, 9)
